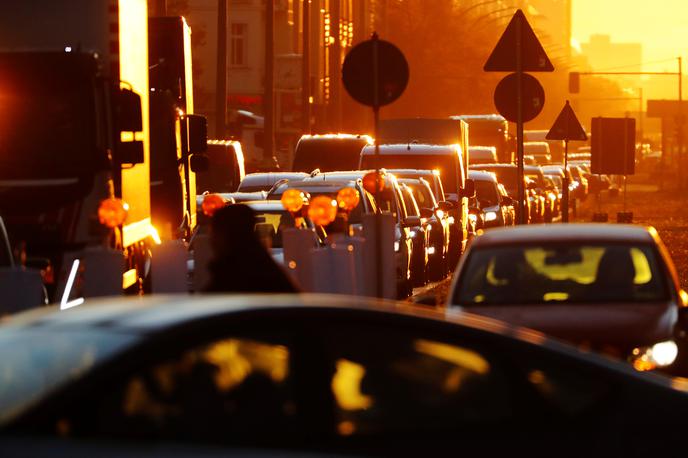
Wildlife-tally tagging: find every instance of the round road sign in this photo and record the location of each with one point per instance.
(533, 97)
(358, 70)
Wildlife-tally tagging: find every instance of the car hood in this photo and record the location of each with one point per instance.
(624, 326)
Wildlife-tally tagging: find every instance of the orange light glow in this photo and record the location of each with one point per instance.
(322, 210)
(371, 181)
(293, 200)
(212, 203)
(112, 212)
(348, 199)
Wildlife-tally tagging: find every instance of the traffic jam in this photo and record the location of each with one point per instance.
(487, 281)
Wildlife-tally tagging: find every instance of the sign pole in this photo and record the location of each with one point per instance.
(376, 116)
(519, 124)
(565, 213)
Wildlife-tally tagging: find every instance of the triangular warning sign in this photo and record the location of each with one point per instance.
(533, 56)
(567, 127)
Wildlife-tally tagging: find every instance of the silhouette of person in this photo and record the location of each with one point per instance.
(240, 261)
(615, 275)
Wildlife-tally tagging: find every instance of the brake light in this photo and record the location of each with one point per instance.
(112, 212)
(293, 200)
(348, 199)
(211, 204)
(322, 210)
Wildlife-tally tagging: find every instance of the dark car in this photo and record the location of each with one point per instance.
(438, 250)
(497, 210)
(420, 237)
(507, 175)
(264, 181)
(328, 153)
(545, 200)
(270, 375)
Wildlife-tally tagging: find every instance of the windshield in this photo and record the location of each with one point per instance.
(422, 195)
(447, 165)
(48, 117)
(34, 363)
(328, 155)
(506, 176)
(561, 273)
(486, 193)
(270, 226)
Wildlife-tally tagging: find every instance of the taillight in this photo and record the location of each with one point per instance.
(212, 203)
(112, 212)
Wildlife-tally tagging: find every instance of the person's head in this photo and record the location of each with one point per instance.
(231, 227)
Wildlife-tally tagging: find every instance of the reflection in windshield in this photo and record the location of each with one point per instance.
(583, 274)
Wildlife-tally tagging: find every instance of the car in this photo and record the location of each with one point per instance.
(579, 177)
(272, 219)
(546, 201)
(431, 176)
(497, 208)
(311, 375)
(420, 236)
(609, 287)
(438, 224)
(264, 181)
(507, 175)
(449, 161)
(389, 201)
(482, 155)
(328, 152)
(539, 150)
(312, 188)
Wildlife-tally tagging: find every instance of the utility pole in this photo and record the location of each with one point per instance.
(221, 71)
(335, 66)
(269, 90)
(306, 69)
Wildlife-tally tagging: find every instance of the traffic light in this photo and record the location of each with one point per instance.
(574, 82)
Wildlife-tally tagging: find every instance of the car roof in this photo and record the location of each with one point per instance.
(501, 165)
(149, 314)
(356, 138)
(479, 175)
(411, 148)
(311, 184)
(480, 117)
(578, 232)
(350, 175)
(269, 178)
(265, 205)
(479, 149)
(418, 172)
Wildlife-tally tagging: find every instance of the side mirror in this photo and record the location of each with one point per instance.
(197, 133)
(199, 163)
(426, 213)
(128, 116)
(130, 152)
(507, 201)
(412, 221)
(468, 189)
(532, 185)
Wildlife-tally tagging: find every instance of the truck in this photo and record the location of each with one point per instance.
(490, 130)
(178, 136)
(431, 144)
(75, 177)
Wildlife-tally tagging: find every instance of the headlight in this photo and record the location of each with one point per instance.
(412, 234)
(450, 220)
(473, 217)
(431, 250)
(661, 354)
(397, 246)
(490, 216)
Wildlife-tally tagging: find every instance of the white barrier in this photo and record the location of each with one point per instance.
(202, 254)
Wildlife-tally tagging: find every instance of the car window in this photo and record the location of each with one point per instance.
(422, 195)
(409, 202)
(270, 226)
(225, 390)
(561, 273)
(486, 192)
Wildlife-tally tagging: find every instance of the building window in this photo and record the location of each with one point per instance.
(238, 41)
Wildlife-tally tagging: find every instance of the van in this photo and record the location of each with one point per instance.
(225, 169)
(448, 161)
(329, 153)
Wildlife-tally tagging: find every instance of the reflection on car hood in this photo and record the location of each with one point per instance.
(617, 324)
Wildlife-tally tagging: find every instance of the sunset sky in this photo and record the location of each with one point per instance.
(660, 25)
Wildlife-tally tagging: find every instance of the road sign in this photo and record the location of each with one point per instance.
(613, 146)
(504, 57)
(358, 73)
(665, 108)
(567, 127)
(506, 101)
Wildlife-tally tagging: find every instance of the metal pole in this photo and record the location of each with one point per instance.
(269, 90)
(221, 70)
(640, 115)
(306, 69)
(519, 125)
(565, 213)
(376, 116)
